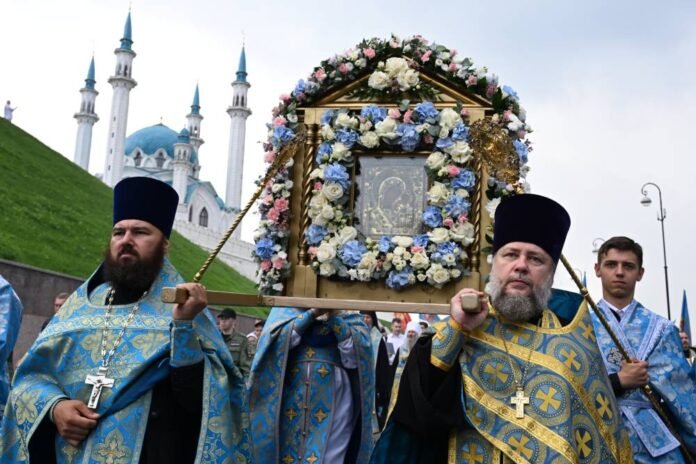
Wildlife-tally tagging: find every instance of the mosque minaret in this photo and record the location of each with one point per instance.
(86, 118)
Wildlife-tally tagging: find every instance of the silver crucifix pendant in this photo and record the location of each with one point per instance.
(98, 382)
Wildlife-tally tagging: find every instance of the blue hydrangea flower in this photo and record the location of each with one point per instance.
(282, 135)
(409, 137)
(522, 150)
(511, 92)
(374, 113)
(315, 233)
(421, 240)
(460, 132)
(456, 206)
(347, 137)
(328, 116)
(324, 152)
(399, 279)
(385, 244)
(447, 248)
(432, 217)
(264, 248)
(444, 142)
(300, 87)
(424, 111)
(465, 180)
(351, 253)
(337, 173)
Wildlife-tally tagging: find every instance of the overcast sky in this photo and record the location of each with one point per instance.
(608, 88)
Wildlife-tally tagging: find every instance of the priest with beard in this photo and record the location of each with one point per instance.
(513, 382)
(119, 376)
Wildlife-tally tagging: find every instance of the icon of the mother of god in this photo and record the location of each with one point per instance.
(395, 209)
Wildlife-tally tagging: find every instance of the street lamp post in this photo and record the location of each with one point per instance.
(661, 215)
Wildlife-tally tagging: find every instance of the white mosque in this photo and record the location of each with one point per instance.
(173, 157)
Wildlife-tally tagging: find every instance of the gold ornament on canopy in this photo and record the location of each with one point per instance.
(493, 145)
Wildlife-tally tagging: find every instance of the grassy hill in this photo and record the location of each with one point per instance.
(55, 216)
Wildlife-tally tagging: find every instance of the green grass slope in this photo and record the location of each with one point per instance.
(54, 215)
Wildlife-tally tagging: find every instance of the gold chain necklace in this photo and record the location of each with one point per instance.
(518, 399)
(100, 380)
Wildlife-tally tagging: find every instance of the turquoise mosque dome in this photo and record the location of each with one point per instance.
(150, 139)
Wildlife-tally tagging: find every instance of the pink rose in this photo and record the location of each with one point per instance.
(464, 113)
(320, 74)
(472, 80)
(281, 204)
(268, 200)
(369, 52)
(462, 218)
(507, 114)
(452, 67)
(408, 115)
(275, 111)
(318, 185)
(426, 56)
(273, 214)
(278, 263)
(452, 170)
(266, 265)
(285, 98)
(427, 138)
(342, 68)
(270, 156)
(394, 113)
(453, 52)
(448, 222)
(416, 249)
(279, 121)
(312, 251)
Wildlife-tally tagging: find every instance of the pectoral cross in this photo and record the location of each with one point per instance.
(519, 400)
(98, 382)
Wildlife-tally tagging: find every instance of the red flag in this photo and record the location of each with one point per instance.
(405, 318)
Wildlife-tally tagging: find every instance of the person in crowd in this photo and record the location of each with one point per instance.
(236, 341)
(58, 301)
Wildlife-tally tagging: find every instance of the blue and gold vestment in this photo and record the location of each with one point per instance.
(70, 348)
(649, 337)
(572, 416)
(10, 320)
(292, 398)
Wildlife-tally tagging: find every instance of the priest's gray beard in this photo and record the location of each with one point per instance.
(411, 342)
(519, 308)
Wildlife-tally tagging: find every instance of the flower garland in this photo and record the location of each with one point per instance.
(394, 67)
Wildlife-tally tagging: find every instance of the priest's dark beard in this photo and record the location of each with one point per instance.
(519, 308)
(134, 278)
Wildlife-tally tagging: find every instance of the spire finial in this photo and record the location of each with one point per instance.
(127, 39)
(241, 70)
(196, 106)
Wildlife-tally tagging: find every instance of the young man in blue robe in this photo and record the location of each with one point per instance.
(654, 345)
(514, 382)
(312, 388)
(119, 376)
(10, 320)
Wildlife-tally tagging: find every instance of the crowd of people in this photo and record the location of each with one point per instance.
(532, 375)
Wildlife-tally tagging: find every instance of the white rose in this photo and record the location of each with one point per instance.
(277, 187)
(332, 191)
(449, 259)
(399, 251)
(460, 151)
(327, 212)
(353, 274)
(365, 126)
(318, 173)
(327, 269)
(318, 219)
(444, 56)
(455, 273)
(444, 132)
(438, 235)
(364, 275)
(344, 120)
(438, 274)
(402, 241)
(340, 152)
(436, 160)
(395, 66)
(398, 263)
(326, 252)
(369, 140)
(386, 128)
(438, 193)
(491, 206)
(407, 79)
(421, 277)
(449, 118)
(368, 262)
(317, 202)
(461, 193)
(420, 260)
(327, 133)
(379, 80)
(463, 233)
(347, 234)
(360, 63)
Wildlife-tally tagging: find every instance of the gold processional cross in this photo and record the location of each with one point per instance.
(519, 400)
(98, 382)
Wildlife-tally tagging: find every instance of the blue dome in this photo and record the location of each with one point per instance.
(151, 139)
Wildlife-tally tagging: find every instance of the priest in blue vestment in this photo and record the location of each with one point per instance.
(118, 376)
(312, 388)
(515, 381)
(654, 345)
(10, 320)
